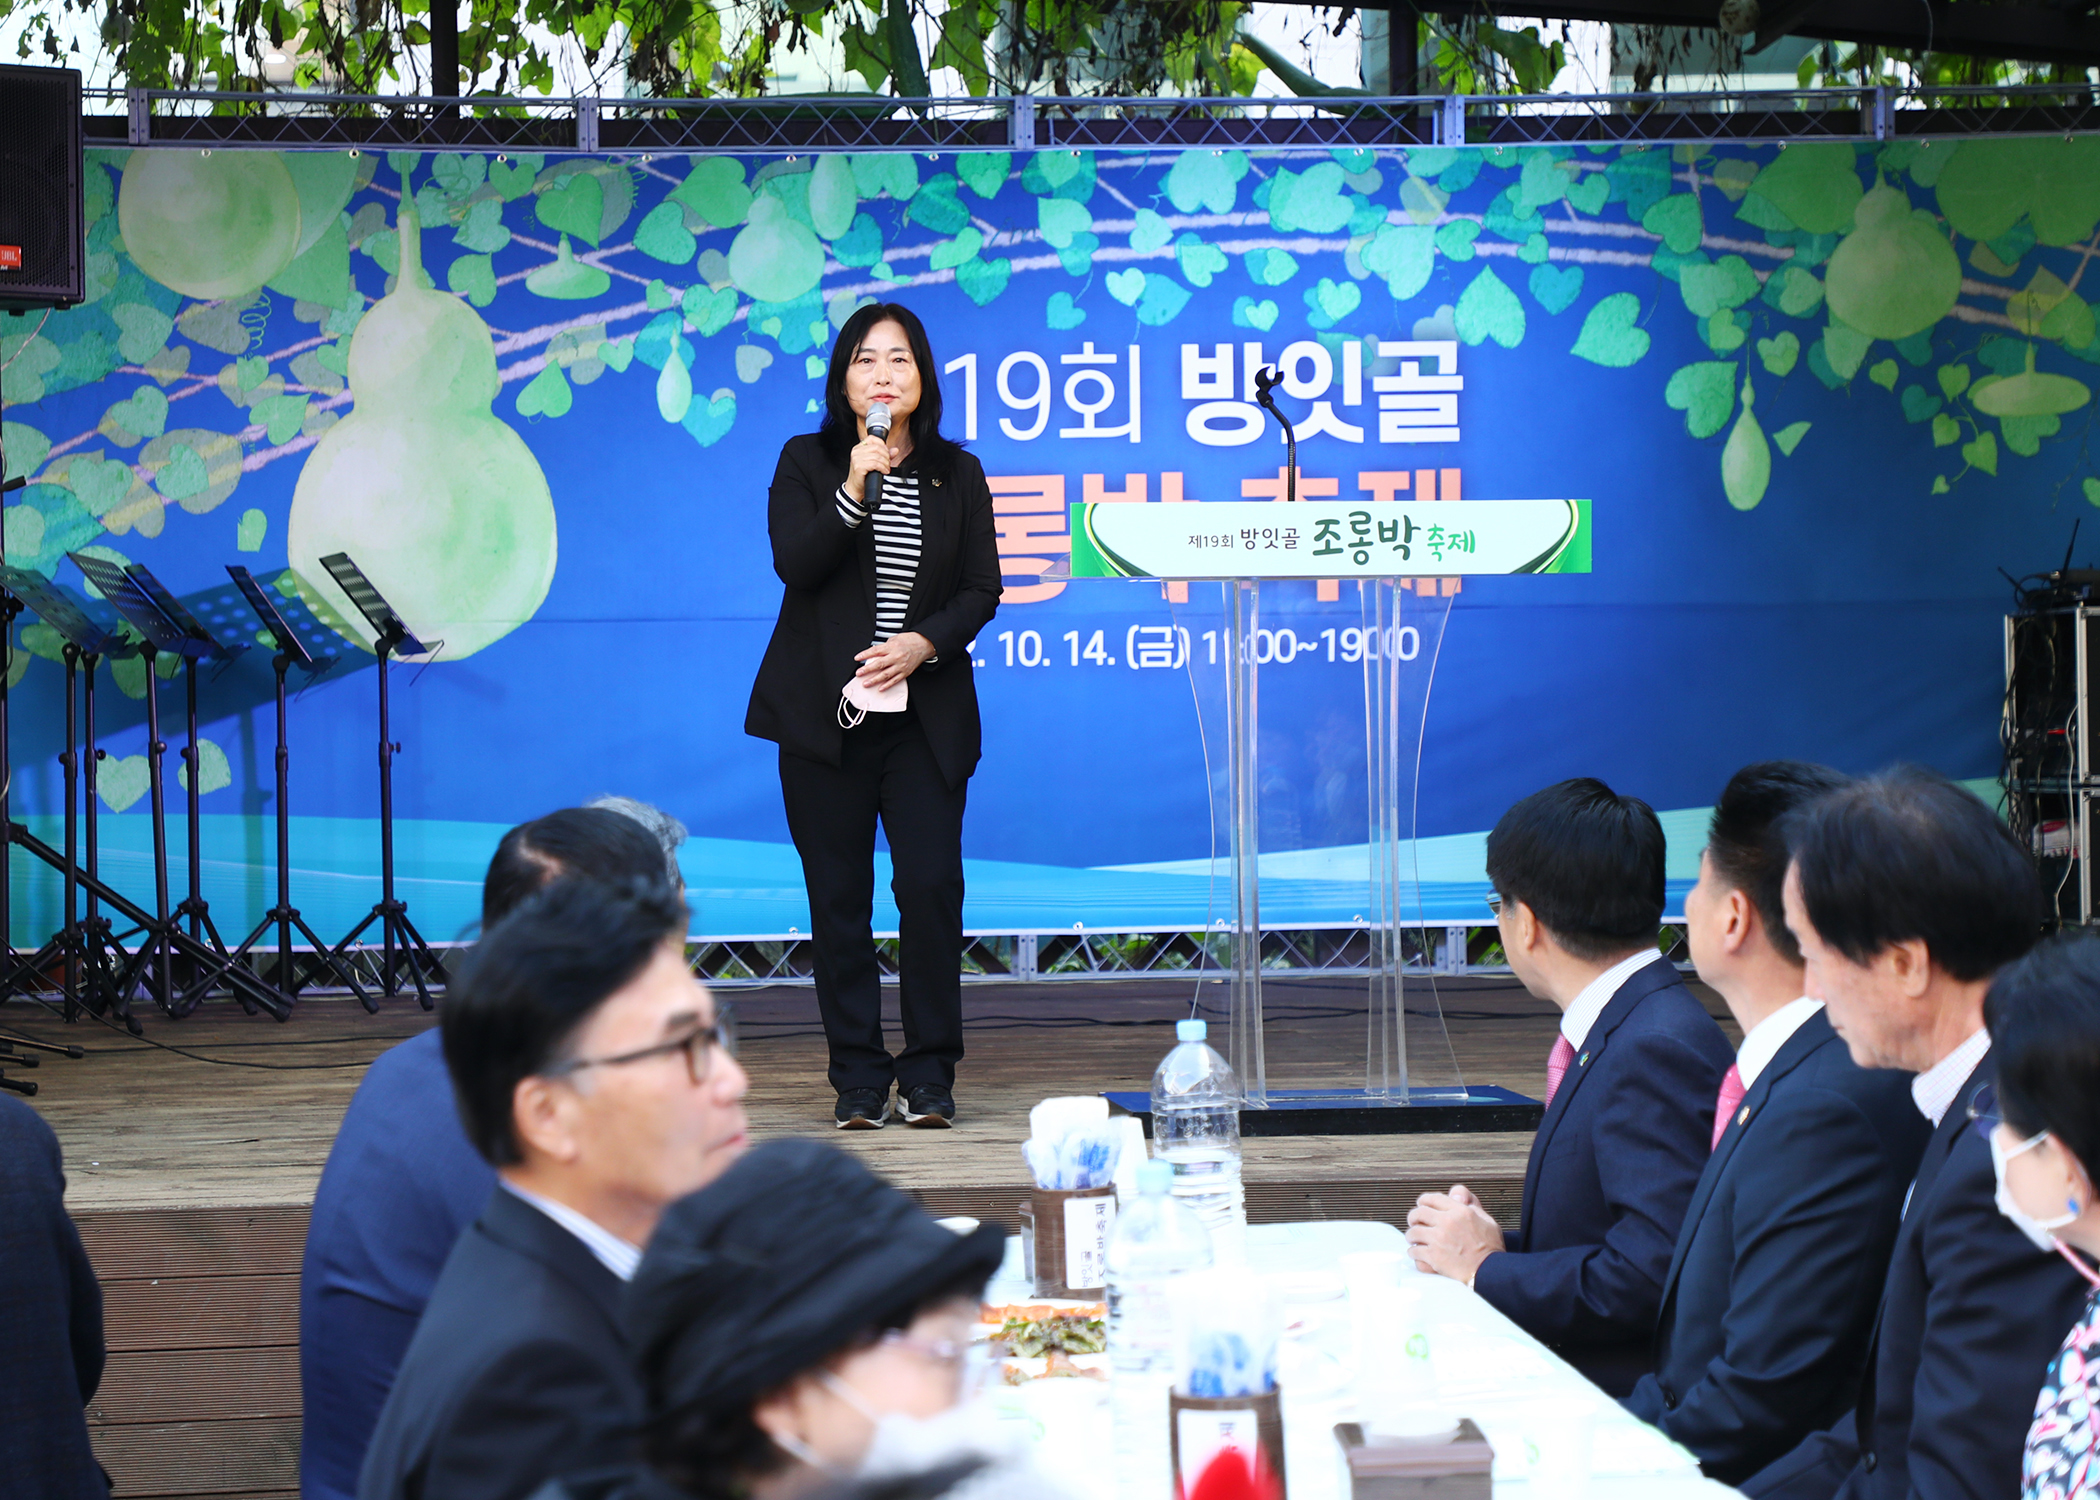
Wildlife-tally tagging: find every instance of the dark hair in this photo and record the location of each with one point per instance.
(1908, 854)
(1746, 841)
(2043, 1012)
(595, 841)
(537, 976)
(1588, 862)
(714, 1454)
(841, 428)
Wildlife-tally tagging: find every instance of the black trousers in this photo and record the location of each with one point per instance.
(886, 770)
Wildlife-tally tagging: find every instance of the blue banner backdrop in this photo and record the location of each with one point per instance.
(1819, 396)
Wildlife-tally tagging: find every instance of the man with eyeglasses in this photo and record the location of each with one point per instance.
(600, 1080)
(1907, 895)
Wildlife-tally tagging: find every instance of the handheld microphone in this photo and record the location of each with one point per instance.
(878, 427)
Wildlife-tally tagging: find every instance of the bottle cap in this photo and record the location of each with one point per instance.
(1155, 1179)
(1191, 1031)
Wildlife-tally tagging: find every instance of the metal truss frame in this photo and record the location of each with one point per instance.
(300, 121)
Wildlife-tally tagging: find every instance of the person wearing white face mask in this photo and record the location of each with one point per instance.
(803, 1329)
(2044, 1129)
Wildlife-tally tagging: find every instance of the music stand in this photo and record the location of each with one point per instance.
(87, 948)
(165, 937)
(290, 652)
(393, 638)
(203, 647)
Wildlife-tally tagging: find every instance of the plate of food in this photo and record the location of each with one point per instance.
(1047, 1339)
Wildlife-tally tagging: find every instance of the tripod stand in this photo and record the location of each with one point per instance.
(163, 937)
(202, 645)
(291, 651)
(87, 952)
(391, 913)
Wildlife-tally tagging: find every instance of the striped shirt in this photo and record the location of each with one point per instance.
(896, 547)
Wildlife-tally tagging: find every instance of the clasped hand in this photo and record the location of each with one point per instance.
(1450, 1234)
(885, 665)
(869, 456)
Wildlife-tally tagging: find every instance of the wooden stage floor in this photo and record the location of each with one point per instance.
(191, 1171)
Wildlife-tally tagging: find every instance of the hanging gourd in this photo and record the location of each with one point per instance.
(210, 224)
(432, 495)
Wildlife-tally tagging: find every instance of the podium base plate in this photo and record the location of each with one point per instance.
(1479, 1108)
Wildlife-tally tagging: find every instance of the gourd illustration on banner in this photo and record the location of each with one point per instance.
(440, 502)
(1073, 295)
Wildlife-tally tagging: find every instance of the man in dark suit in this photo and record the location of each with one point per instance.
(1906, 895)
(50, 1321)
(593, 1071)
(1630, 1087)
(402, 1181)
(1769, 1302)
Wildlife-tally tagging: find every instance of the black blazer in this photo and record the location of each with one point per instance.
(517, 1374)
(1970, 1320)
(1769, 1304)
(827, 612)
(50, 1321)
(1612, 1168)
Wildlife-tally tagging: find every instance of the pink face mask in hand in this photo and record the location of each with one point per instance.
(858, 700)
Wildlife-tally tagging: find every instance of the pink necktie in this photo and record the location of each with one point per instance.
(1724, 1106)
(1557, 1061)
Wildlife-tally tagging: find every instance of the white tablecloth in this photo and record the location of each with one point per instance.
(1487, 1369)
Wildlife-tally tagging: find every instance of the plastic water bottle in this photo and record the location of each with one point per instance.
(1196, 1130)
(1156, 1241)
(1156, 1238)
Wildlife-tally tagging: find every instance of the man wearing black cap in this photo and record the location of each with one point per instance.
(594, 1072)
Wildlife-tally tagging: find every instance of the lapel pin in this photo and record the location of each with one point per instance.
(1744, 1117)
(1583, 1061)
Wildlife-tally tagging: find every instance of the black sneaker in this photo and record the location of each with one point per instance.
(863, 1109)
(929, 1106)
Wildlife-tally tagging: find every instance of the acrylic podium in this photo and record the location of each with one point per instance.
(1389, 556)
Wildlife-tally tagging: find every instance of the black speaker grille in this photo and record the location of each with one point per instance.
(40, 203)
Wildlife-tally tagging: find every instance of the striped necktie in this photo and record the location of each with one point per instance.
(1557, 1062)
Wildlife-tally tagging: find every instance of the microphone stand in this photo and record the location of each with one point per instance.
(1266, 380)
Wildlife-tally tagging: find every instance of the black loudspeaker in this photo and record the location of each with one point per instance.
(43, 254)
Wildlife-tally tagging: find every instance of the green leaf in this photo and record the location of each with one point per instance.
(983, 172)
(1778, 354)
(1845, 349)
(1488, 309)
(1954, 379)
(961, 47)
(1727, 283)
(1206, 180)
(473, 277)
(1982, 453)
(1945, 431)
(1705, 393)
(1884, 374)
(714, 190)
(574, 205)
(547, 394)
(1815, 184)
(662, 235)
(1789, 438)
(1611, 335)
(1676, 220)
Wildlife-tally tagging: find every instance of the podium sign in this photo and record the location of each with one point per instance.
(1330, 539)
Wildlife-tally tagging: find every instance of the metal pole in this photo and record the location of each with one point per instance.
(1244, 790)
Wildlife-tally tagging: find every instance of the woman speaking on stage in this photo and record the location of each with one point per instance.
(886, 547)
